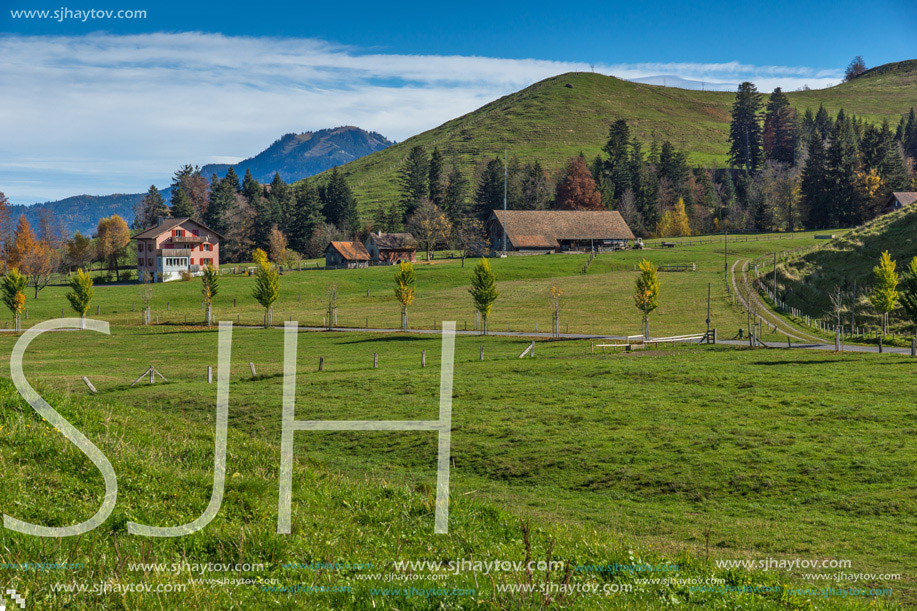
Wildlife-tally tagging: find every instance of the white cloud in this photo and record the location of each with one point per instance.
(103, 113)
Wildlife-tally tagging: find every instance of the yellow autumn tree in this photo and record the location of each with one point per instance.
(674, 222)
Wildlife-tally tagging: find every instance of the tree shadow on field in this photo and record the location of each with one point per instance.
(808, 362)
(394, 338)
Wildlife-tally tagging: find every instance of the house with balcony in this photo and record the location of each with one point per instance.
(174, 246)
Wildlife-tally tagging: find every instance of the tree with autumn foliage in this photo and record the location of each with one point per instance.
(34, 258)
(113, 238)
(577, 190)
(12, 285)
(674, 222)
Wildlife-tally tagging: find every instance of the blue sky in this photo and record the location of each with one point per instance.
(111, 105)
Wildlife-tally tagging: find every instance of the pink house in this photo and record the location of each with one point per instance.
(174, 246)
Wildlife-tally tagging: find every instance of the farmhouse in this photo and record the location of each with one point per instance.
(557, 230)
(899, 200)
(173, 246)
(391, 248)
(346, 255)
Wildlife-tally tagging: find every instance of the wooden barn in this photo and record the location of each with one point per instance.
(347, 255)
(558, 230)
(391, 248)
(900, 199)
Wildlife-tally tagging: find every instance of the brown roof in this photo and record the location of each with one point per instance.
(545, 228)
(394, 241)
(351, 251)
(167, 225)
(905, 198)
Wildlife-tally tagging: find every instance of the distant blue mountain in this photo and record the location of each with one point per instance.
(298, 156)
(294, 156)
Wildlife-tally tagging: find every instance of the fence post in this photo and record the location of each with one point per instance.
(252, 367)
(209, 374)
(482, 353)
(321, 363)
(375, 360)
(423, 358)
(914, 346)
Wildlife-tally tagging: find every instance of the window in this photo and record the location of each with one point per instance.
(149, 262)
(179, 233)
(206, 247)
(139, 246)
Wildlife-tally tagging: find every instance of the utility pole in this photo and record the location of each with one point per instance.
(708, 311)
(775, 278)
(725, 259)
(505, 174)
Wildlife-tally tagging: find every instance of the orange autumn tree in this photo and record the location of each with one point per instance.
(113, 238)
(34, 258)
(577, 190)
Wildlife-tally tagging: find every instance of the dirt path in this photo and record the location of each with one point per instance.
(763, 310)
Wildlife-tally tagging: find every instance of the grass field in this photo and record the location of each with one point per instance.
(599, 301)
(551, 122)
(650, 452)
(687, 455)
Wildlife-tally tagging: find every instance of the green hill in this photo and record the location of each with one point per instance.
(570, 113)
(808, 280)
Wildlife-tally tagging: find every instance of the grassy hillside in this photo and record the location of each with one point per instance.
(807, 280)
(551, 121)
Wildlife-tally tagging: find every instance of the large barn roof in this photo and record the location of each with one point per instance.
(545, 228)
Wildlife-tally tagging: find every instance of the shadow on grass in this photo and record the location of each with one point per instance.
(395, 338)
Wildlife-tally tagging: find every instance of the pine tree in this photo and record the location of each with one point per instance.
(616, 170)
(488, 195)
(222, 199)
(152, 206)
(842, 163)
(339, 204)
(646, 293)
(305, 216)
(455, 196)
(483, 291)
(251, 188)
(909, 135)
(413, 178)
(814, 186)
(80, 294)
(823, 123)
(267, 289)
(233, 179)
(745, 130)
(884, 297)
(181, 205)
(435, 178)
(673, 165)
(780, 129)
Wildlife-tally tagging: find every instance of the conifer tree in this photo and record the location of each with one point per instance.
(210, 286)
(745, 130)
(80, 294)
(455, 197)
(884, 297)
(181, 204)
(339, 204)
(483, 291)
(488, 195)
(435, 178)
(151, 207)
(267, 288)
(413, 178)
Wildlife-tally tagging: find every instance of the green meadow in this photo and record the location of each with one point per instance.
(682, 456)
